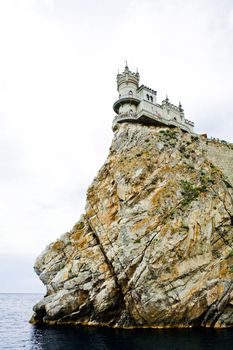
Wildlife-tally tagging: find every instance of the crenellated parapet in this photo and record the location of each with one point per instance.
(166, 104)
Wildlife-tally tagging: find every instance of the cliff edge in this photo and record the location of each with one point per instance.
(155, 245)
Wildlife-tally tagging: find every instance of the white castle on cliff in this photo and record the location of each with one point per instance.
(138, 104)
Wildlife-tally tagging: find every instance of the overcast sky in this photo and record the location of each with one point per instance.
(58, 65)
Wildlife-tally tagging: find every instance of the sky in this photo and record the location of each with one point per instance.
(58, 66)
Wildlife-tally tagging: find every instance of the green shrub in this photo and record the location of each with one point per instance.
(169, 133)
(190, 192)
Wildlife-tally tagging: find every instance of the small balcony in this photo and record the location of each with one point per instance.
(130, 98)
(127, 115)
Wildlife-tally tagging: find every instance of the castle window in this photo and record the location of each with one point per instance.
(148, 97)
(151, 98)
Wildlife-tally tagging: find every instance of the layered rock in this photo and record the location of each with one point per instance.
(155, 245)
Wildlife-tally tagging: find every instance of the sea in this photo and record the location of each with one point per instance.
(17, 333)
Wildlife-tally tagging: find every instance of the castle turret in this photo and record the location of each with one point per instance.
(127, 85)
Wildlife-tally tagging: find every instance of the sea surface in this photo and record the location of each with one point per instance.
(16, 333)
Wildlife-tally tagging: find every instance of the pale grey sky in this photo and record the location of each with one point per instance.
(58, 65)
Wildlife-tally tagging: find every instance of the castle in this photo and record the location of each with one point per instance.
(138, 104)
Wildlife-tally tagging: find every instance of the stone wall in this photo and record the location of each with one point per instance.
(221, 156)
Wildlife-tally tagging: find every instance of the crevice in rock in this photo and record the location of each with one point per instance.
(223, 201)
(216, 309)
(110, 242)
(110, 266)
(162, 219)
(223, 239)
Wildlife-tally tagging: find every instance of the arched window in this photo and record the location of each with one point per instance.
(148, 97)
(131, 93)
(151, 98)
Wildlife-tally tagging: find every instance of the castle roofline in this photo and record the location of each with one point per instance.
(143, 87)
(127, 71)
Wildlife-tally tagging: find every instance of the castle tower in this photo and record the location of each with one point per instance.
(127, 85)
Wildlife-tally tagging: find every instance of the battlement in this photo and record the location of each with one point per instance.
(166, 104)
(139, 104)
(143, 87)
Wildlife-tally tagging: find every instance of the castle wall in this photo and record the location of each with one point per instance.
(125, 88)
(172, 115)
(150, 107)
(222, 157)
(144, 94)
(126, 107)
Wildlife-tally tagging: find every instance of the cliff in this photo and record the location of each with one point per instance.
(155, 245)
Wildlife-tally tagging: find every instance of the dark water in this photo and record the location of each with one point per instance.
(17, 333)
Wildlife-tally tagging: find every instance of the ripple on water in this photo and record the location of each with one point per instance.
(16, 333)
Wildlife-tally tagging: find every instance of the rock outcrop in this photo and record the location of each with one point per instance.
(155, 245)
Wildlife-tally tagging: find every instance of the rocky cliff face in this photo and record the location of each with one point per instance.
(155, 245)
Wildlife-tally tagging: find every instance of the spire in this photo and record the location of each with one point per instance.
(167, 99)
(126, 66)
(180, 107)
